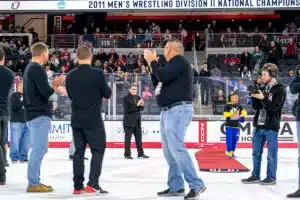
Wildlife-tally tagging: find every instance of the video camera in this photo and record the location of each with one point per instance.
(253, 89)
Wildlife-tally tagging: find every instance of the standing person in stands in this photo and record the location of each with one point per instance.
(176, 115)
(7, 80)
(86, 87)
(295, 89)
(133, 104)
(19, 132)
(38, 112)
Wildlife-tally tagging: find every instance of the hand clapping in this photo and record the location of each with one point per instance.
(150, 56)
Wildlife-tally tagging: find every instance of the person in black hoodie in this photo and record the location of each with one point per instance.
(19, 132)
(268, 105)
(7, 80)
(86, 87)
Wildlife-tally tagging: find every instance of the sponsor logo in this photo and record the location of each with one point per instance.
(285, 133)
(61, 5)
(15, 5)
(145, 131)
(202, 131)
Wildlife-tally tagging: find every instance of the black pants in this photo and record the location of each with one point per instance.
(3, 126)
(137, 132)
(96, 139)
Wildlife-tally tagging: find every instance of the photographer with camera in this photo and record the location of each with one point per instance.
(268, 102)
(295, 89)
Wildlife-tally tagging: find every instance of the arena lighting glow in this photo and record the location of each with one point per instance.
(74, 5)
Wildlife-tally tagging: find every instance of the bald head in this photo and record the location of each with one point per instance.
(173, 48)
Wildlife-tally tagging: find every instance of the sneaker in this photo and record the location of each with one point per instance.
(294, 195)
(143, 156)
(98, 188)
(23, 161)
(128, 157)
(267, 181)
(168, 193)
(194, 194)
(14, 161)
(71, 157)
(251, 180)
(81, 191)
(40, 188)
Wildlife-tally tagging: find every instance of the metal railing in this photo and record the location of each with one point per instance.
(110, 40)
(239, 40)
(205, 94)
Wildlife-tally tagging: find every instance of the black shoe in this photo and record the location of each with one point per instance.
(194, 194)
(128, 157)
(169, 193)
(143, 156)
(14, 161)
(98, 188)
(23, 161)
(267, 181)
(251, 180)
(294, 195)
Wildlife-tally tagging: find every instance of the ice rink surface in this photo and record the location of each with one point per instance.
(142, 179)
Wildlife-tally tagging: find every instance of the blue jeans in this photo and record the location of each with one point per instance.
(173, 125)
(39, 130)
(19, 141)
(260, 137)
(298, 139)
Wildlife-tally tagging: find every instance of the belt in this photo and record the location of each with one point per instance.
(176, 104)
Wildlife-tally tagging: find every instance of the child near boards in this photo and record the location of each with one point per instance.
(234, 114)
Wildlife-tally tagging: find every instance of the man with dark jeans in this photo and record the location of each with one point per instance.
(268, 105)
(86, 87)
(7, 80)
(133, 104)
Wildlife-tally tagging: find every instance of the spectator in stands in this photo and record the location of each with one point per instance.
(167, 36)
(278, 45)
(291, 48)
(245, 59)
(209, 34)
(97, 64)
(215, 72)
(270, 31)
(264, 44)
(205, 81)
(131, 38)
(11, 66)
(217, 100)
(140, 38)
(148, 38)
(246, 73)
(102, 56)
(241, 37)
(273, 54)
(106, 68)
(257, 56)
(21, 65)
(146, 94)
(113, 55)
(55, 62)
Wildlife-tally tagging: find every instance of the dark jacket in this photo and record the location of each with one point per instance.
(37, 92)
(17, 108)
(86, 87)
(177, 81)
(132, 115)
(273, 103)
(6, 82)
(295, 89)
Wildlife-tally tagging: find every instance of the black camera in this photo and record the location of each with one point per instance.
(253, 89)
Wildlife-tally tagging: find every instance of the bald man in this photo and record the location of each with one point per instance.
(174, 96)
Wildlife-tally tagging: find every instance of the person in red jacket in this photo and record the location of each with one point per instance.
(290, 48)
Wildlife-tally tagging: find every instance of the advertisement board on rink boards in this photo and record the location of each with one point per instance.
(61, 131)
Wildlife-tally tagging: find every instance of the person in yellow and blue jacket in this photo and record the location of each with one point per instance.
(234, 114)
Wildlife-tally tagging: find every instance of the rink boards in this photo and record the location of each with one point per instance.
(199, 133)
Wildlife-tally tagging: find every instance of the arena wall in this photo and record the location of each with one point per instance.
(199, 134)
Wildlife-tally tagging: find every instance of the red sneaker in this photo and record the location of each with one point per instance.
(77, 192)
(90, 189)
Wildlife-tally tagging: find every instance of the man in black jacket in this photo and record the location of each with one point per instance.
(132, 105)
(268, 105)
(38, 112)
(86, 87)
(7, 80)
(19, 132)
(174, 94)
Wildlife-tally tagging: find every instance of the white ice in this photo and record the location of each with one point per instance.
(142, 179)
